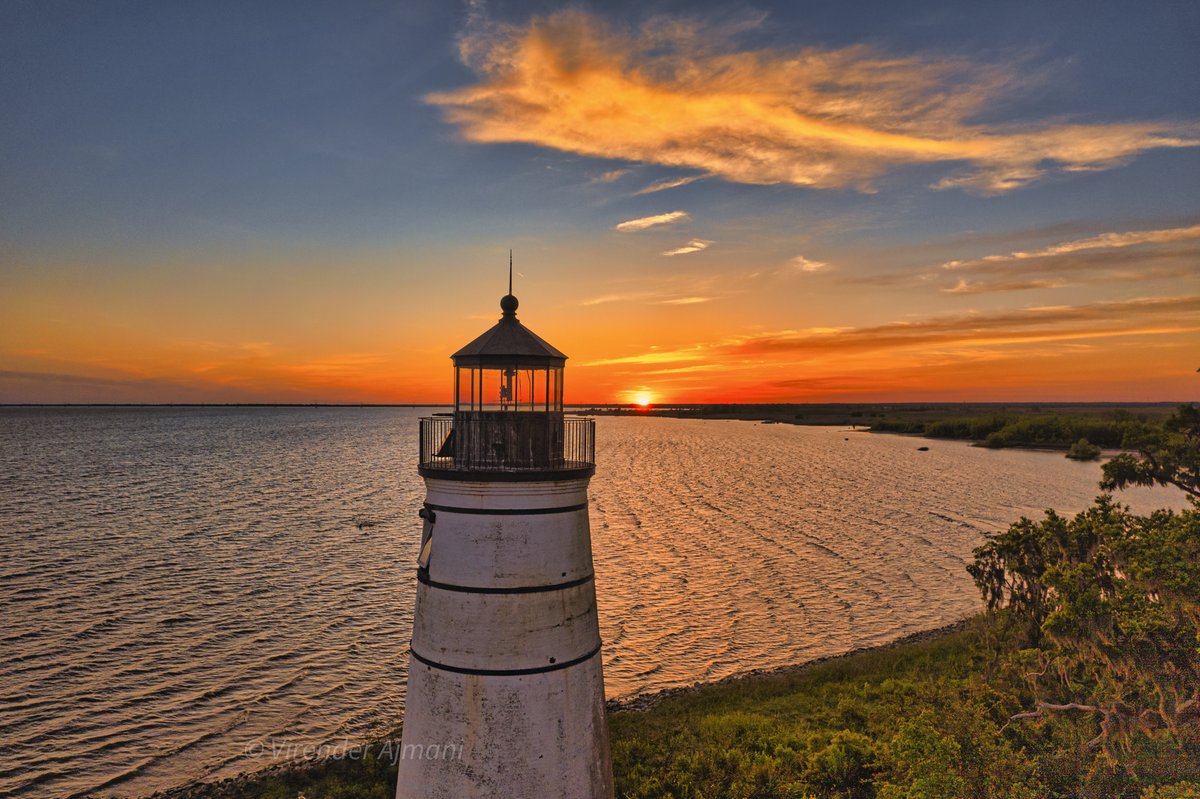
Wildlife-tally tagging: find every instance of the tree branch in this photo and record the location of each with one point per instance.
(1043, 707)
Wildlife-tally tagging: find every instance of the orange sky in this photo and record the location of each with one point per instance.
(387, 338)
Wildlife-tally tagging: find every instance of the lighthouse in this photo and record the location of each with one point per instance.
(505, 682)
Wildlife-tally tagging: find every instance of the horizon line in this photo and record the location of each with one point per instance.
(579, 404)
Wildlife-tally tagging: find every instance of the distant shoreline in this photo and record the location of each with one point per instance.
(714, 410)
(1083, 430)
(219, 405)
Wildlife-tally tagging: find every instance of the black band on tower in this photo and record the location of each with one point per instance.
(433, 664)
(507, 511)
(423, 577)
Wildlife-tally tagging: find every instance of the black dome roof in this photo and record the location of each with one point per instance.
(509, 343)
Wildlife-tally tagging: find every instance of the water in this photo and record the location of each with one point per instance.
(182, 589)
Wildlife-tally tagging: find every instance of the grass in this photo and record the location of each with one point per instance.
(787, 734)
(924, 718)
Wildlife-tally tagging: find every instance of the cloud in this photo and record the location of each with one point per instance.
(700, 367)
(984, 287)
(1048, 323)
(669, 356)
(650, 221)
(676, 94)
(970, 335)
(668, 183)
(611, 176)
(900, 278)
(807, 265)
(87, 381)
(56, 387)
(849, 383)
(789, 269)
(262, 349)
(686, 300)
(1138, 255)
(606, 298)
(651, 297)
(695, 245)
(1102, 241)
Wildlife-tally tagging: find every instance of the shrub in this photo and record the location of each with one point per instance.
(844, 768)
(1083, 450)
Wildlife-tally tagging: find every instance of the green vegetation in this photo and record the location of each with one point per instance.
(372, 776)
(1102, 619)
(1165, 446)
(1017, 430)
(901, 417)
(1084, 450)
(1041, 425)
(1167, 454)
(882, 723)
(1082, 679)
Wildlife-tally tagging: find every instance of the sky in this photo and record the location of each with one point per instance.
(706, 202)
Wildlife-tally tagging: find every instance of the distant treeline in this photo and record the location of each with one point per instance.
(1018, 430)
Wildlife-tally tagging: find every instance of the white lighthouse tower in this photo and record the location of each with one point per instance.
(505, 687)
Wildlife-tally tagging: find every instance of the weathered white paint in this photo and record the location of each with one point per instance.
(508, 550)
(536, 737)
(520, 736)
(508, 631)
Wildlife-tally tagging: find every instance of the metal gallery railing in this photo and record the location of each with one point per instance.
(507, 441)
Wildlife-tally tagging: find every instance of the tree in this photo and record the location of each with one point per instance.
(1084, 450)
(1112, 601)
(1169, 455)
(1009, 569)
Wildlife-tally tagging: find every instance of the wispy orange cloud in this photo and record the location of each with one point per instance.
(1143, 316)
(1102, 241)
(1110, 257)
(686, 300)
(1137, 255)
(985, 287)
(673, 94)
(669, 183)
(695, 245)
(644, 222)
(668, 356)
(662, 296)
(807, 264)
(611, 176)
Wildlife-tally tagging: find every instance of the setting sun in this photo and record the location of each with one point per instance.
(642, 399)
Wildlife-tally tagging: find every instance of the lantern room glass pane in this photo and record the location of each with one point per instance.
(508, 388)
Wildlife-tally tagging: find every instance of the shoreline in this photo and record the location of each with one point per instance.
(644, 702)
(233, 787)
(1044, 427)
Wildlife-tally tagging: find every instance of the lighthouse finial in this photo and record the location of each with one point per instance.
(508, 303)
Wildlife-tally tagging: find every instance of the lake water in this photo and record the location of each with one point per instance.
(185, 591)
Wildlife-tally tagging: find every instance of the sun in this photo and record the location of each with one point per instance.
(642, 399)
